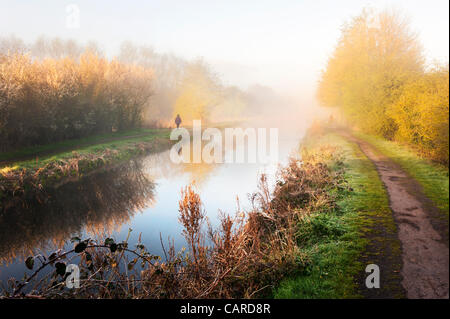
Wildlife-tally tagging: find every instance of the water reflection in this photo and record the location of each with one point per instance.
(142, 195)
(97, 204)
(160, 166)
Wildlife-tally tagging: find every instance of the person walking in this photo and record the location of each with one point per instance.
(178, 120)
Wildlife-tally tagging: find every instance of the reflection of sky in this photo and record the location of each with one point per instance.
(219, 190)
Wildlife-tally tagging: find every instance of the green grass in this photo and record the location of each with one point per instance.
(338, 240)
(433, 177)
(91, 145)
(75, 143)
(77, 161)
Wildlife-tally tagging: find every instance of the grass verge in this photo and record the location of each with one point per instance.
(360, 230)
(22, 176)
(47, 150)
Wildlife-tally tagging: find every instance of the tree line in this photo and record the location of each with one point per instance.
(53, 90)
(51, 100)
(378, 78)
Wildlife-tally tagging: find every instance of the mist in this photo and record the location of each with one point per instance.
(283, 45)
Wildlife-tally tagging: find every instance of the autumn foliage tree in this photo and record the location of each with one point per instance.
(422, 113)
(53, 90)
(378, 79)
(200, 92)
(50, 100)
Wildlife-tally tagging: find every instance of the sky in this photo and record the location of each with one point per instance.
(280, 43)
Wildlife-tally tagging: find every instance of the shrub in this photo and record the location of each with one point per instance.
(51, 100)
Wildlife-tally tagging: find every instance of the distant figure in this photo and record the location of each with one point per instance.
(178, 120)
(331, 119)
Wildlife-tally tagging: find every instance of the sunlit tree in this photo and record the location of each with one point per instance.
(377, 77)
(199, 93)
(375, 57)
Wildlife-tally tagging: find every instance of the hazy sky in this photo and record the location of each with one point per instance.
(279, 43)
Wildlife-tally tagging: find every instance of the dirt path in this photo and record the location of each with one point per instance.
(425, 252)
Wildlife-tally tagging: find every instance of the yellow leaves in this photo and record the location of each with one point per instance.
(7, 169)
(53, 99)
(376, 76)
(421, 114)
(199, 93)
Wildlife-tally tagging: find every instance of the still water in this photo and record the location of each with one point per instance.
(141, 195)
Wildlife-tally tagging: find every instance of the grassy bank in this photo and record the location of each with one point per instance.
(433, 177)
(44, 151)
(79, 157)
(358, 231)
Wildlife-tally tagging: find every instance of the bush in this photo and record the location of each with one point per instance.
(422, 112)
(51, 100)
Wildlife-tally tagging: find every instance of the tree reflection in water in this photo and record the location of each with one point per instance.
(96, 204)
